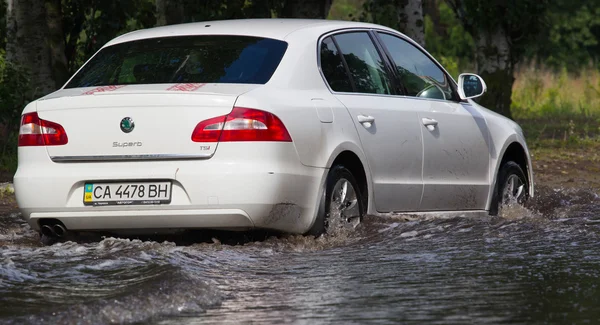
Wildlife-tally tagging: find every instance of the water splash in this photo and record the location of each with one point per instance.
(405, 268)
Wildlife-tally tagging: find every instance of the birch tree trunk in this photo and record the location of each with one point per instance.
(495, 66)
(410, 18)
(29, 46)
(314, 9)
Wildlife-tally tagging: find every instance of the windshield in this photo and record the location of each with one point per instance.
(183, 59)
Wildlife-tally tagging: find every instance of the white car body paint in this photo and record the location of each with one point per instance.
(260, 184)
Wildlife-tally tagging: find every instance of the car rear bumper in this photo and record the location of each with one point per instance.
(258, 185)
(147, 219)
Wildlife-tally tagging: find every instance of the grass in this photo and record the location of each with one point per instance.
(558, 108)
(6, 191)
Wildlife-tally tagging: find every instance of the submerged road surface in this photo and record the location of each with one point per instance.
(528, 266)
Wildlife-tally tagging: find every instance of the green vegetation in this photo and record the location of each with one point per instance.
(554, 51)
(346, 10)
(6, 190)
(558, 108)
(13, 97)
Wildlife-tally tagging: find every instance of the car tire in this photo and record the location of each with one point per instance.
(341, 193)
(511, 185)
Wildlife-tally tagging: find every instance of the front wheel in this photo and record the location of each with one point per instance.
(512, 187)
(342, 204)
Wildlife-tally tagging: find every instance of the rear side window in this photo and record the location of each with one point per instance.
(364, 62)
(183, 59)
(420, 76)
(333, 67)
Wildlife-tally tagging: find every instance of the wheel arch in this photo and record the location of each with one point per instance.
(351, 156)
(514, 149)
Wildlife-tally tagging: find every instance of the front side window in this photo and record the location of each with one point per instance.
(420, 76)
(366, 66)
(183, 59)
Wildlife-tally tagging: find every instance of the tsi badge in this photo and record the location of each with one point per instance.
(127, 124)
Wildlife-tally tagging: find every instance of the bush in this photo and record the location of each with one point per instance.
(15, 90)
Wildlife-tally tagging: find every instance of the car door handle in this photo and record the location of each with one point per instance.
(429, 121)
(365, 119)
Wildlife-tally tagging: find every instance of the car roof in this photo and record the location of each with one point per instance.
(275, 28)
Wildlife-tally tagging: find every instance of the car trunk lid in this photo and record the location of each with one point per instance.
(136, 122)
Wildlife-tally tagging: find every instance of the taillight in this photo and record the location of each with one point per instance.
(242, 124)
(37, 132)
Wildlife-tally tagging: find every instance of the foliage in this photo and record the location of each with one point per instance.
(519, 19)
(346, 9)
(14, 93)
(570, 35)
(448, 42)
(381, 12)
(561, 106)
(89, 24)
(231, 9)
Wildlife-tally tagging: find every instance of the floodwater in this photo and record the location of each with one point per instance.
(528, 266)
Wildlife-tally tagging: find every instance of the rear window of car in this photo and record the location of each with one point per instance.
(183, 59)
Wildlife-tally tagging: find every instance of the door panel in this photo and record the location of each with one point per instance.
(455, 136)
(456, 158)
(392, 144)
(388, 128)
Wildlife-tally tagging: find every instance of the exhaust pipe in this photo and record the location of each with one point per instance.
(59, 230)
(48, 231)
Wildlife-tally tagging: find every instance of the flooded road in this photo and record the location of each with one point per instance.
(528, 266)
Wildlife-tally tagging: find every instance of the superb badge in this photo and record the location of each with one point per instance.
(127, 124)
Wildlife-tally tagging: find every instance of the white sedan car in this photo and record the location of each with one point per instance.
(272, 124)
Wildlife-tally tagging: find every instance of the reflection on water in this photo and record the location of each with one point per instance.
(539, 264)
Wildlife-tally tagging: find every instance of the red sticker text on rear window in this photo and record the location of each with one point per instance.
(185, 87)
(102, 89)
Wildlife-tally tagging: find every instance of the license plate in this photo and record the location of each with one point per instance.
(127, 193)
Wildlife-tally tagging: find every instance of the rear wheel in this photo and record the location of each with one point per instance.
(512, 187)
(341, 204)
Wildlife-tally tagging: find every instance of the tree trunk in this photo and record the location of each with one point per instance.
(431, 9)
(410, 18)
(56, 43)
(27, 43)
(169, 12)
(495, 66)
(315, 9)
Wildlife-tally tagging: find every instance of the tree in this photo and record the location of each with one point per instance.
(410, 18)
(35, 43)
(2, 25)
(56, 43)
(169, 12)
(570, 36)
(501, 29)
(89, 24)
(315, 9)
(403, 15)
(184, 11)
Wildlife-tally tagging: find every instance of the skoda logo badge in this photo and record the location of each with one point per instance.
(127, 124)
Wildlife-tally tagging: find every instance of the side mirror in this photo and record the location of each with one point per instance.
(471, 86)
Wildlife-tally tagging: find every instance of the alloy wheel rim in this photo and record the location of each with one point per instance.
(344, 204)
(513, 190)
